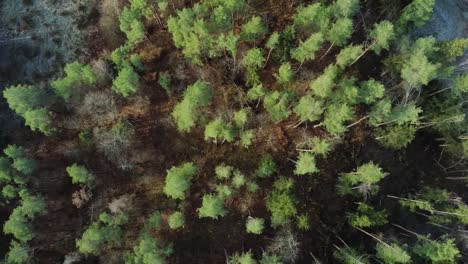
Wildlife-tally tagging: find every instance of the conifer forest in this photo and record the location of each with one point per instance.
(234, 131)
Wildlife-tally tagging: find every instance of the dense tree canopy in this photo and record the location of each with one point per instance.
(362, 181)
(178, 180)
(258, 111)
(212, 206)
(196, 96)
(80, 175)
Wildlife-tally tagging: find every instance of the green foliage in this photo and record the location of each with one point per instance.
(120, 55)
(439, 204)
(246, 137)
(127, 81)
(238, 179)
(6, 170)
(212, 206)
(18, 226)
(286, 42)
(224, 191)
(186, 112)
(241, 117)
(25, 166)
(314, 17)
(406, 114)
(380, 112)
(348, 55)
(417, 12)
(23, 98)
(223, 172)
(80, 175)
(105, 231)
(86, 137)
(283, 184)
(131, 25)
(21, 163)
(346, 92)
(9, 192)
(362, 181)
(273, 40)
(244, 258)
(219, 130)
(370, 91)
(178, 180)
(403, 119)
(176, 220)
(306, 164)
(309, 108)
(320, 146)
(165, 81)
(452, 49)
(270, 259)
(230, 42)
(31, 205)
(39, 120)
(163, 6)
(252, 187)
(142, 6)
(281, 203)
(382, 35)
(285, 75)
(323, 85)
(14, 151)
(414, 205)
(308, 48)
(256, 92)
(95, 236)
(255, 225)
(303, 222)
(418, 70)
(184, 35)
(367, 216)
(396, 136)
(77, 74)
(154, 221)
(201, 31)
(345, 8)
(253, 29)
(18, 253)
(267, 167)
(136, 62)
(350, 256)
(437, 251)
(276, 103)
(392, 254)
(253, 61)
(459, 85)
(340, 31)
(335, 117)
(114, 220)
(148, 251)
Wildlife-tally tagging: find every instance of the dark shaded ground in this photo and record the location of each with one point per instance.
(160, 146)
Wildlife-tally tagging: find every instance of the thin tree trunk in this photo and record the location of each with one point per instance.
(302, 62)
(329, 49)
(268, 58)
(357, 122)
(373, 236)
(432, 94)
(363, 53)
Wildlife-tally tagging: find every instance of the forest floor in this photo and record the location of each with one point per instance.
(158, 145)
